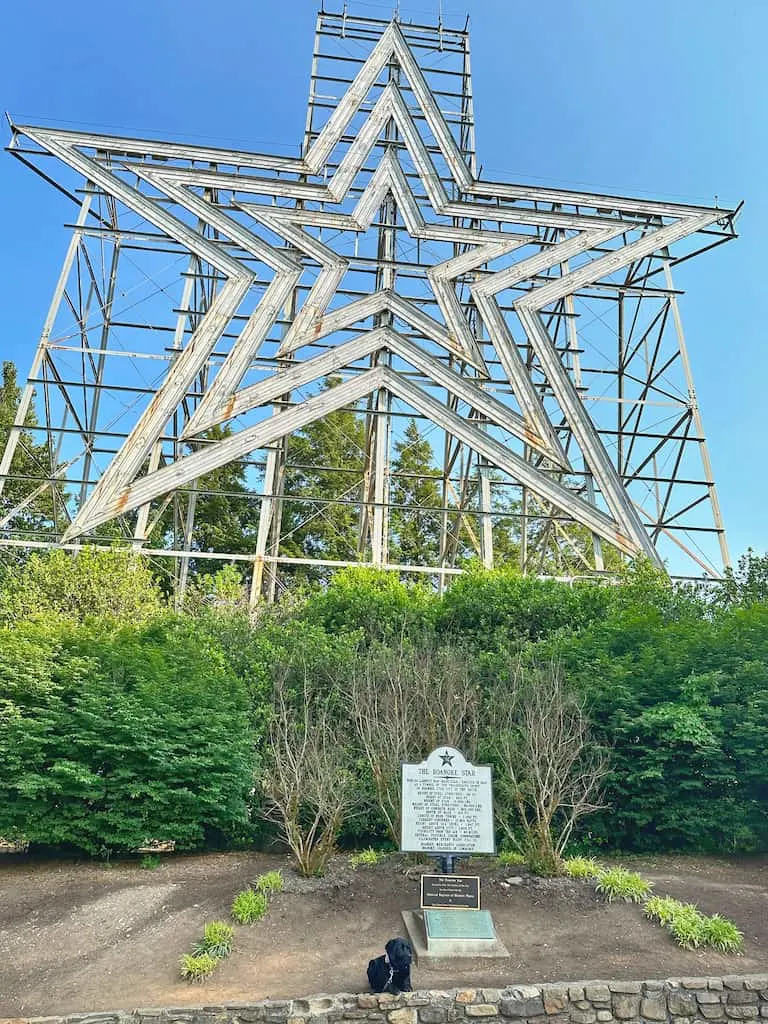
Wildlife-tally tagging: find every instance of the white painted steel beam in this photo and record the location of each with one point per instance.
(443, 276)
(547, 488)
(129, 460)
(650, 243)
(140, 148)
(231, 448)
(290, 420)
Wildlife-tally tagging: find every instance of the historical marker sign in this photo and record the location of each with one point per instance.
(447, 805)
(450, 892)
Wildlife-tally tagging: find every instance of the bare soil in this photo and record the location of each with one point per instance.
(77, 936)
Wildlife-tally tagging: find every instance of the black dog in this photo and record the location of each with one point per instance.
(392, 972)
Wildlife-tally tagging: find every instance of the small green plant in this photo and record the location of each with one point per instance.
(510, 858)
(249, 906)
(691, 928)
(688, 926)
(722, 934)
(369, 856)
(150, 862)
(269, 883)
(581, 867)
(216, 941)
(661, 909)
(620, 884)
(198, 966)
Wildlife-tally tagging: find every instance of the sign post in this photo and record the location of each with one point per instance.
(447, 813)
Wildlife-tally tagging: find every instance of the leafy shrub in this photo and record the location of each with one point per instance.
(620, 884)
(150, 861)
(678, 694)
(115, 584)
(270, 882)
(581, 867)
(490, 608)
(510, 858)
(197, 967)
(722, 934)
(369, 856)
(373, 602)
(216, 941)
(249, 906)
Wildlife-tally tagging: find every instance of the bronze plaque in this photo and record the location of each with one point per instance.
(450, 892)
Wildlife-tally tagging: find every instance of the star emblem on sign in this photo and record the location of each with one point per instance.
(272, 228)
(446, 758)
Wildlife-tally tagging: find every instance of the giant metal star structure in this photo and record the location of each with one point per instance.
(296, 200)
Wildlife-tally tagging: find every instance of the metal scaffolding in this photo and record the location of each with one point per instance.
(207, 294)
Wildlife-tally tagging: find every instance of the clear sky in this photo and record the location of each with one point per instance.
(664, 98)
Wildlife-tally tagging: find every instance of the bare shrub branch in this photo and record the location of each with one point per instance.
(552, 774)
(308, 784)
(404, 702)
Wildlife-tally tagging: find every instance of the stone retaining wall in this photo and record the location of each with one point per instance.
(675, 1001)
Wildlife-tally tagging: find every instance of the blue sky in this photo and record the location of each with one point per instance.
(664, 98)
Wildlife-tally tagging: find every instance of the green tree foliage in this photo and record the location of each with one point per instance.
(313, 528)
(225, 520)
(116, 584)
(506, 527)
(373, 604)
(415, 528)
(108, 740)
(31, 462)
(747, 583)
(495, 608)
(225, 517)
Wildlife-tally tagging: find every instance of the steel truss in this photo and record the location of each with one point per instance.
(533, 333)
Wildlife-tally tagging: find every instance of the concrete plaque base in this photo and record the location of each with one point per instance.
(448, 934)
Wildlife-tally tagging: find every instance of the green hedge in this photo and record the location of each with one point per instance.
(113, 732)
(111, 738)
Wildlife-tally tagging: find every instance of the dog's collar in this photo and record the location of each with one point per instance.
(388, 962)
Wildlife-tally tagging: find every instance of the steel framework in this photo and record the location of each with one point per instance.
(533, 333)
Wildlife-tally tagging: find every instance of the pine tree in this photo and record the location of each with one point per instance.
(415, 529)
(506, 527)
(31, 463)
(325, 462)
(225, 518)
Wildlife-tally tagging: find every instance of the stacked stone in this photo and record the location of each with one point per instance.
(723, 1000)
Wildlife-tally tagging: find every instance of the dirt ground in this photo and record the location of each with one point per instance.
(78, 936)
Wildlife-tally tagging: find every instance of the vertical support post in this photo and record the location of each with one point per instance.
(189, 522)
(697, 421)
(142, 516)
(486, 522)
(93, 419)
(375, 515)
(621, 357)
(467, 131)
(264, 579)
(573, 345)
